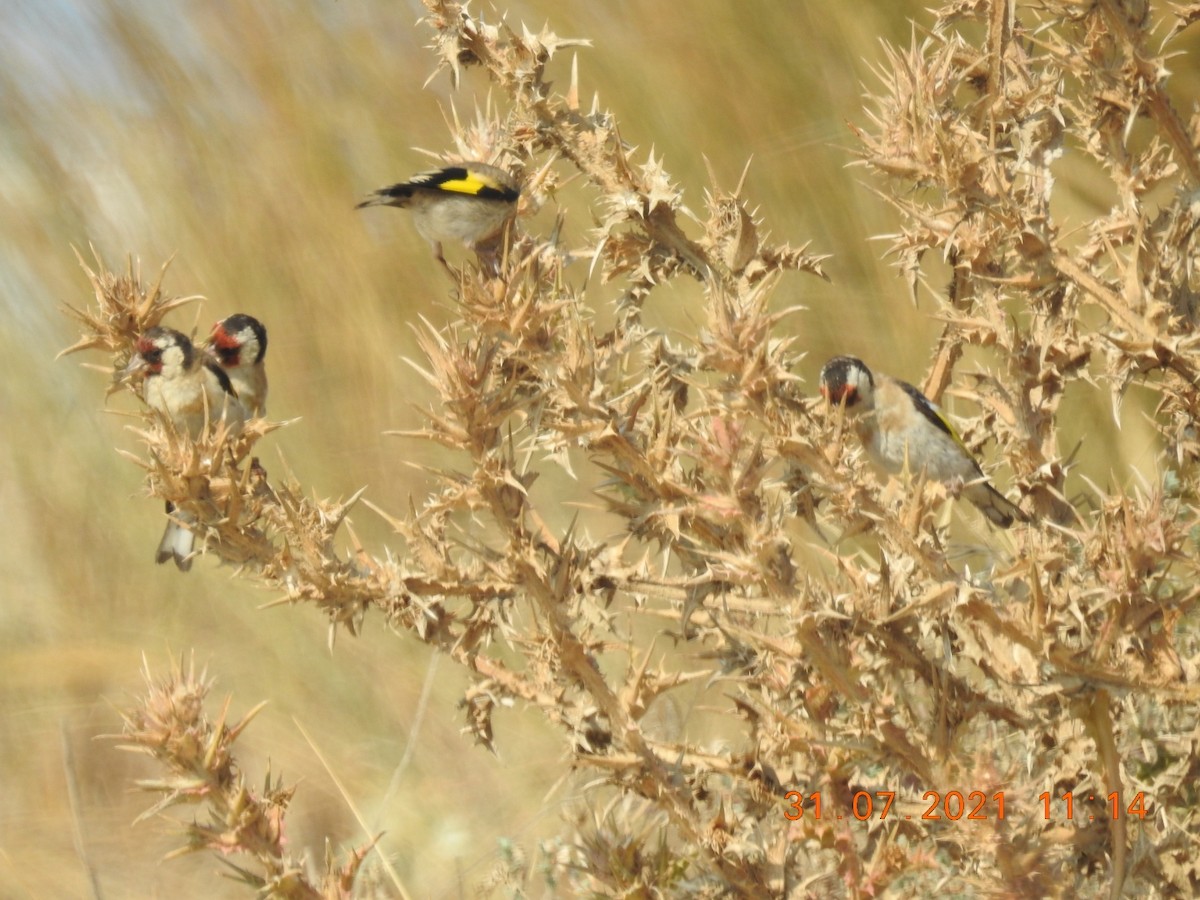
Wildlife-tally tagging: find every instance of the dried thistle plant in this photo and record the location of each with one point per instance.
(170, 724)
(1050, 659)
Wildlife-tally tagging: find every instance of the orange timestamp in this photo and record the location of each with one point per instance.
(877, 805)
(1115, 808)
(950, 805)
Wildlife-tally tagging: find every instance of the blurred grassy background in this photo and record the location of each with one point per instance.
(239, 137)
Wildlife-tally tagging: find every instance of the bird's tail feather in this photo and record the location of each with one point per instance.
(999, 510)
(178, 542)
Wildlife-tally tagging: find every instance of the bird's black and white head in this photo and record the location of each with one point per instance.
(239, 340)
(846, 380)
(163, 351)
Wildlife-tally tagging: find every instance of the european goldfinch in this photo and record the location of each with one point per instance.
(902, 429)
(239, 345)
(190, 390)
(469, 203)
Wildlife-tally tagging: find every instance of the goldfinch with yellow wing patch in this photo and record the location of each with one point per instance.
(239, 345)
(191, 390)
(469, 203)
(902, 429)
(184, 385)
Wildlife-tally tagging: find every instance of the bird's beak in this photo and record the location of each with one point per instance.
(843, 396)
(135, 365)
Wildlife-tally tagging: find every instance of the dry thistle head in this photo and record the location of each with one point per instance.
(123, 311)
(170, 724)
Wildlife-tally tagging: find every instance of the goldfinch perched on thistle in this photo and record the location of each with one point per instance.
(902, 429)
(469, 203)
(186, 386)
(239, 345)
(190, 390)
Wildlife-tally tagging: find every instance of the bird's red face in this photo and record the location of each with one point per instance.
(845, 381)
(239, 340)
(837, 394)
(151, 354)
(227, 346)
(159, 351)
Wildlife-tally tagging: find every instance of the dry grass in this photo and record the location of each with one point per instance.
(728, 606)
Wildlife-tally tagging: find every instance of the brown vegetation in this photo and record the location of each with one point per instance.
(857, 635)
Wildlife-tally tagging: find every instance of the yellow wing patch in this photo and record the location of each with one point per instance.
(472, 184)
(931, 412)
